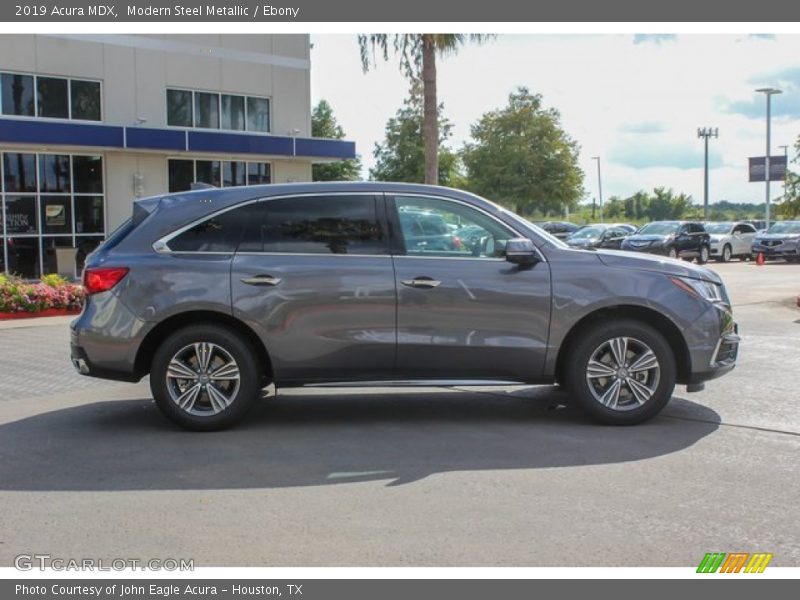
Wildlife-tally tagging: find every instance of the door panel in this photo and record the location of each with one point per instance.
(463, 311)
(314, 277)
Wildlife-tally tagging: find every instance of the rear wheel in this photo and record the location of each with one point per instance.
(205, 377)
(621, 372)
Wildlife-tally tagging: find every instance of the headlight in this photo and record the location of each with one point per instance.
(699, 287)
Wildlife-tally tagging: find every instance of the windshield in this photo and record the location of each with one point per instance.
(719, 227)
(587, 233)
(785, 227)
(659, 228)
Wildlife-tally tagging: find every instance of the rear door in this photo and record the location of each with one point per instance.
(463, 311)
(313, 275)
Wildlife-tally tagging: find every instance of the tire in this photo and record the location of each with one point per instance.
(587, 389)
(206, 404)
(726, 254)
(672, 252)
(702, 258)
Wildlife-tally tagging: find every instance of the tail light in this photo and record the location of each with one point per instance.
(102, 279)
(457, 242)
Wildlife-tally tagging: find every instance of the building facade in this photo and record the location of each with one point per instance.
(90, 122)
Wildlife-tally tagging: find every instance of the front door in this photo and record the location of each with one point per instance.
(314, 277)
(464, 312)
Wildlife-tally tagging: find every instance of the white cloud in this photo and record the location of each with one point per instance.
(612, 94)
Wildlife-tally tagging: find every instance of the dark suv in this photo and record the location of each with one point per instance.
(217, 293)
(676, 239)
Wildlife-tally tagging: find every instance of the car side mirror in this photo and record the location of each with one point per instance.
(521, 251)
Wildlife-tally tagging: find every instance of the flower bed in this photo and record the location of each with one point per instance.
(54, 295)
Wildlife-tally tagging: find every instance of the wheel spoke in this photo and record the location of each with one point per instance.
(219, 401)
(611, 396)
(595, 369)
(178, 369)
(227, 372)
(187, 399)
(203, 352)
(644, 362)
(619, 348)
(640, 391)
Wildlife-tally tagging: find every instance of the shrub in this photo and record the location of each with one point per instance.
(17, 295)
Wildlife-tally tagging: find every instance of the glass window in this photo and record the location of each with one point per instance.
(17, 92)
(54, 173)
(23, 256)
(257, 114)
(89, 214)
(20, 214)
(87, 174)
(438, 227)
(85, 100)
(56, 214)
(232, 112)
(179, 108)
(52, 97)
(181, 175)
(206, 110)
(233, 173)
(19, 172)
(50, 256)
(86, 245)
(220, 233)
(258, 173)
(316, 225)
(208, 171)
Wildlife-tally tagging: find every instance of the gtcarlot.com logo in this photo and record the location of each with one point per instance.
(29, 562)
(734, 562)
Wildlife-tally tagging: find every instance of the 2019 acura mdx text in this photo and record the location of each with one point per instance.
(217, 293)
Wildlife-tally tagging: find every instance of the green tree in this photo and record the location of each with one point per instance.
(666, 205)
(417, 53)
(325, 125)
(637, 206)
(613, 208)
(521, 157)
(401, 156)
(789, 208)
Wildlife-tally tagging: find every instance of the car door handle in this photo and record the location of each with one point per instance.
(261, 280)
(421, 282)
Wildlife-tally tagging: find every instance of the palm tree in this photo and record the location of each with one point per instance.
(417, 52)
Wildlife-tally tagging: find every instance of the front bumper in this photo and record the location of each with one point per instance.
(716, 353)
(790, 249)
(650, 249)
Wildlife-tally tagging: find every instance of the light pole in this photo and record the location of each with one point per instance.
(599, 186)
(769, 92)
(705, 133)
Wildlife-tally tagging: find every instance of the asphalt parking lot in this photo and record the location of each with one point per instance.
(435, 477)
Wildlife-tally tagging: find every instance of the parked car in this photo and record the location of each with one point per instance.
(560, 229)
(600, 235)
(730, 239)
(217, 293)
(428, 231)
(758, 224)
(676, 239)
(781, 240)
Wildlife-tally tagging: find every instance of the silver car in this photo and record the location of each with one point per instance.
(781, 240)
(217, 293)
(730, 239)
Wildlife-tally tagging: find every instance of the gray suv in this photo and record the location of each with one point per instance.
(217, 293)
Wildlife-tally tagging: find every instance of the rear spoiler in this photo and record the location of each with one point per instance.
(143, 208)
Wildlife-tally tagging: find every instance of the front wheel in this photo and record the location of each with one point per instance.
(672, 252)
(726, 253)
(205, 377)
(621, 372)
(702, 258)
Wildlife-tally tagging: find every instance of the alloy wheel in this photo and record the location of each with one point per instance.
(203, 379)
(623, 373)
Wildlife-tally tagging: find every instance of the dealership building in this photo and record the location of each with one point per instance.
(91, 122)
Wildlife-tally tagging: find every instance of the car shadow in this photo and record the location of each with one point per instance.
(326, 439)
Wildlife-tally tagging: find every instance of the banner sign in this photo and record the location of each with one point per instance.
(426, 10)
(777, 168)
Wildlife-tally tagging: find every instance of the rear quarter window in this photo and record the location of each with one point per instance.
(219, 233)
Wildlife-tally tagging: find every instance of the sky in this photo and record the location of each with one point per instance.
(634, 100)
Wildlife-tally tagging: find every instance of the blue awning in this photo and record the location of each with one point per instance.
(54, 133)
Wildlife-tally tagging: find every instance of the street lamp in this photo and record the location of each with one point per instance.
(769, 92)
(599, 186)
(705, 133)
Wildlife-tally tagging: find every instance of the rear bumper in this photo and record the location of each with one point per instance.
(84, 366)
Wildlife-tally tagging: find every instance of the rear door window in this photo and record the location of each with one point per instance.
(325, 224)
